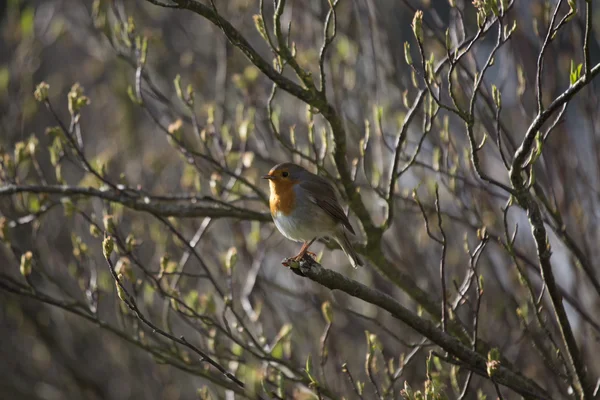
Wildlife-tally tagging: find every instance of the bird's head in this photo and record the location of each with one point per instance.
(285, 175)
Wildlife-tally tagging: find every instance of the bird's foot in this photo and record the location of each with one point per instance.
(293, 264)
(303, 255)
(299, 261)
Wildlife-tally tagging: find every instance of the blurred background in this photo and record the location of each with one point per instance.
(70, 337)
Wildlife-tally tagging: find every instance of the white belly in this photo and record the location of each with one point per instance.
(289, 228)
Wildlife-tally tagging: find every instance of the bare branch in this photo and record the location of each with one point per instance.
(194, 207)
(474, 361)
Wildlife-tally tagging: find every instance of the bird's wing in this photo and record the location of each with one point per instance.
(322, 194)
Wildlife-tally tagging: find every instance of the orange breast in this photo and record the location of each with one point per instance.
(283, 197)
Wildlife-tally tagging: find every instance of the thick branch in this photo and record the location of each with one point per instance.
(204, 207)
(527, 201)
(7, 285)
(238, 40)
(475, 361)
(319, 101)
(525, 148)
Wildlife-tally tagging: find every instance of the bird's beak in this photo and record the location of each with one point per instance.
(269, 177)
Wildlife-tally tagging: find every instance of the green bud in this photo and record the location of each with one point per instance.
(572, 7)
(311, 133)
(4, 232)
(482, 233)
(413, 78)
(68, 206)
(190, 93)
(32, 144)
(120, 292)
(58, 174)
(373, 342)
(407, 392)
(508, 30)
(231, 259)
(53, 132)
(95, 231)
(210, 118)
(144, 50)
(497, 96)
(123, 267)
(285, 330)
(575, 73)
(80, 248)
(308, 366)
(26, 261)
(309, 114)
(164, 261)
(327, 312)
(107, 246)
(109, 224)
(20, 152)
(166, 265)
(175, 129)
(480, 19)
(130, 242)
(243, 130)
(132, 95)
(324, 140)
(494, 6)
(259, 23)
(293, 135)
(130, 25)
(98, 15)
(41, 91)
(407, 55)
(493, 362)
(216, 184)
(178, 89)
(417, 25)
(364, 143)
(76, 99)
(207, 303)
(436, 158)
(522, 81)
(203, 393)
(138, 42)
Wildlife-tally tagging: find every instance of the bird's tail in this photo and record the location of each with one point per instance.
(345, 244)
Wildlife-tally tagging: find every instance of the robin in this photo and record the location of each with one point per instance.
(304, 207)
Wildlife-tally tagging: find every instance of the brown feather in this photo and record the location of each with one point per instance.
(322, 194)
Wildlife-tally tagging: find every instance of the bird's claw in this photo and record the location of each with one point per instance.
(290, 262)
(301, 256)
(294, 265)
(297, 263)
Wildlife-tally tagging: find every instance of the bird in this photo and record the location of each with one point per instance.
(305, 207)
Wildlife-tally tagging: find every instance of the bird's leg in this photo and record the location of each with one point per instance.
(310, 253)
(304, 250)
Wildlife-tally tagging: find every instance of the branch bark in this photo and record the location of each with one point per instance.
(540, 236)
(204, 207)
(473, 360)
(318, 100)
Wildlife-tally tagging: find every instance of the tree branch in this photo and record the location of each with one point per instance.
(238, 40)
(527, 201)
(204, 207)
(475, 361)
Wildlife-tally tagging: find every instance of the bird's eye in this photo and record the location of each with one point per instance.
(285, 174)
